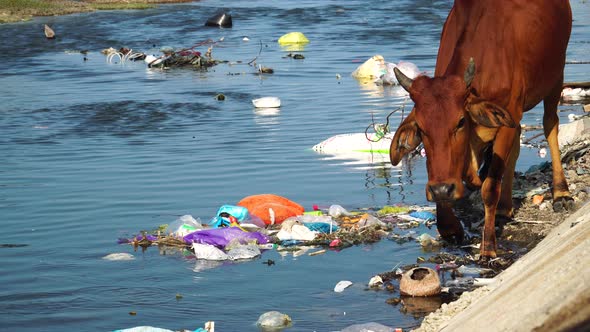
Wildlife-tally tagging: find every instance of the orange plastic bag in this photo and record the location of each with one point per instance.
(282, 207)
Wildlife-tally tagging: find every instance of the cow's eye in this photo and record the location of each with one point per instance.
(461, 123)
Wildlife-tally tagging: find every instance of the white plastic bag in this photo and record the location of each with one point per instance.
(209, 252)
(244, 252)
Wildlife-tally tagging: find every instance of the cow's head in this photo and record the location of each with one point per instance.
(444, 116)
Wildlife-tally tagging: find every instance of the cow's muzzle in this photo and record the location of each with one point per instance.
(441, 192)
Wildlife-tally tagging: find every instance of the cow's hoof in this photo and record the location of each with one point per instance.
(487, 254)
(564, 203)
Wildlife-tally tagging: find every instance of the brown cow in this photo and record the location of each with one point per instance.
(496, 60)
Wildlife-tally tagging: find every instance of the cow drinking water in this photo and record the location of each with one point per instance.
(496, 60)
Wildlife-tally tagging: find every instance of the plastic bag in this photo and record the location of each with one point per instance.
(370, 220)
(208, 252)
(272, 209)
(336, 211)
(220, 237)
(239, 212)
(292, 229)
(244, 252)
(185, 225)
(373, 68)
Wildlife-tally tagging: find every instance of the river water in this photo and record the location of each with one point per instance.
(93, 151)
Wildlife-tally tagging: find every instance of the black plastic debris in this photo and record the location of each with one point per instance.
(222, 20)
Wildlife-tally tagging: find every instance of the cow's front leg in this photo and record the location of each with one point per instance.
(505, 204)
(449, 227)
(490, 191)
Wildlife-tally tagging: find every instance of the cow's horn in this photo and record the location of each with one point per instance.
(469, 72)
(403, 80)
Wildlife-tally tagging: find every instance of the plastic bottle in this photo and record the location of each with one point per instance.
(336, 211)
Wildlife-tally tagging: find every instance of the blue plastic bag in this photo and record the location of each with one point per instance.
(239, 212)
(424, 215)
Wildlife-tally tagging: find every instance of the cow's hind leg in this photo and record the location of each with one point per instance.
(562, 198)
(449, 227)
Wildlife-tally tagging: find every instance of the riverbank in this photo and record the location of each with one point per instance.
(12, 11)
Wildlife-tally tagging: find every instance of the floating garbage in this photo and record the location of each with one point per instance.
(220, 237)
(542, 152)
(342, 285)
(375, 281)
(292, 229)
(377, 70)
(356, 142)
(274, 320)
(119, 256)
(293, 38)
(222, 20)
(337, 211)
(144, 329)
(369, 327)
(427, 241)
(209, 327)
(423, 215)
(238, 212)
(244, 252)
(408, 68)
(49, 33)
(211, 253)
(267, 102)
(393, 210)
(271, 209)
(420, 281)
(369, 220)
(469, 282)
(184, 225)
(152, 60)
(463, 270)
(372, 69)
(208, 252)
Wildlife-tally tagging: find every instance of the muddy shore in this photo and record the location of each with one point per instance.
(25, 10)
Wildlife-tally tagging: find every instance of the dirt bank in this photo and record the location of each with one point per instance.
(23, 10)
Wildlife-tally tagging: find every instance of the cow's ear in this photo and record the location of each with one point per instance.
(406, 139)
(489, 114)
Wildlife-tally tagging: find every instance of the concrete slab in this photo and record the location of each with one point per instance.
(546, 290)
